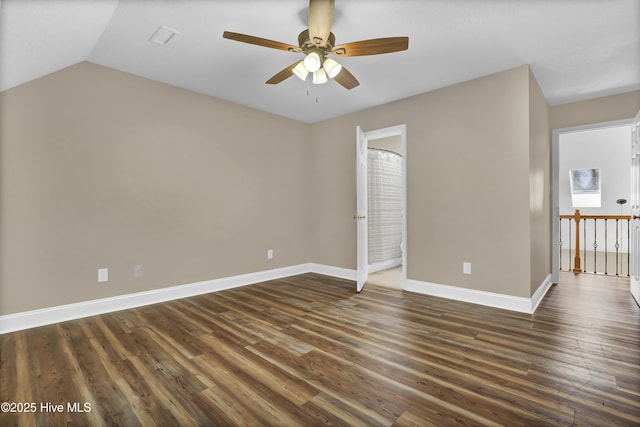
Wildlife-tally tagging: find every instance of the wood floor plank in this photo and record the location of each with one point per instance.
(307, 350)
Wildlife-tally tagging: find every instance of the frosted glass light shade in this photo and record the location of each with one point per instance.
(331, 67)
(300, 71)
(320, 77)
(312, 62)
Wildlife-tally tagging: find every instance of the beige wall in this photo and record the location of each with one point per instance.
(103, 169)
(391, 143)
(468, 183)
(99, 168)
(597, 110)
(539, 184)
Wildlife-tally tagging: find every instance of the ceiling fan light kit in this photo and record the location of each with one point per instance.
(320, 77)
(301, 71)
(322, 70)
(332, 67)
(312, 61)
(317, 43)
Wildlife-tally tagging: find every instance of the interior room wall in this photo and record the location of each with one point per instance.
(99, 168)
(468, 183)
(102, 169)
(597, 110)
(539, 184)
(391, 143)
(606, 149)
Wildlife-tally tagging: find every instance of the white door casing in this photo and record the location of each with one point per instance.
(361, 209)
(557, 135)
(362, 145)
(634, 244)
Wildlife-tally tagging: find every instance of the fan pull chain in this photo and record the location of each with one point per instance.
(308, 82)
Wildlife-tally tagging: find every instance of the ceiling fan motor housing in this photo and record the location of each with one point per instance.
(306, 43)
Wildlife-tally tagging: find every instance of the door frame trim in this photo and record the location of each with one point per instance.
(555, 184)
(401, 131)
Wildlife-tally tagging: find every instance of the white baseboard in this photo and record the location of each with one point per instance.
(327, 270)
(491, 299)
(61, 313)
(47, 316)
(635, 290)
(542, 290)
(384, 265)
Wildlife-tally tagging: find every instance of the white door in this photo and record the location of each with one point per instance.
(634, 244)
(361, 209)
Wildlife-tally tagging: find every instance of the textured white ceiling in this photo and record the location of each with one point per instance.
(40, 37)
(577, 49)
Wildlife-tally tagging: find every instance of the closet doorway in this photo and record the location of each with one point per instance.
(382, 234)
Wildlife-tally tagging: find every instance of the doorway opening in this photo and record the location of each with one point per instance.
(604, 146)
(382, 226)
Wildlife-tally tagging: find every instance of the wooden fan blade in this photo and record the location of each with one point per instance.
(282, 75)
(372, 47)
(320, 21)
(259, 41)
(346, 79)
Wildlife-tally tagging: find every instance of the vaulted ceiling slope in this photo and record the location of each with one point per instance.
(577, 49)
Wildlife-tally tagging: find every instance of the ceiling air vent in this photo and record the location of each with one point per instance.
(163, 35)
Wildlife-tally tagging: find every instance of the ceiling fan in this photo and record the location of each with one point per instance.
(317, 43)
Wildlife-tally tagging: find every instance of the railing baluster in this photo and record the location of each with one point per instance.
(606, 248)
(629, 250)
(560, 244)
(570, 258)
(595, 245)
(577, 267)
(584, 245)
(574, 250)
(617, 246)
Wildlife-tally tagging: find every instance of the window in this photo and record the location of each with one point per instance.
(585, 188)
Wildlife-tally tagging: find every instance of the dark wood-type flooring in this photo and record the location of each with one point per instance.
(308, 350)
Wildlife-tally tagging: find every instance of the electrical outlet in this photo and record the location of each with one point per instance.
(103, 275)
(137, 271)
(466, 267)
(270, 254)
